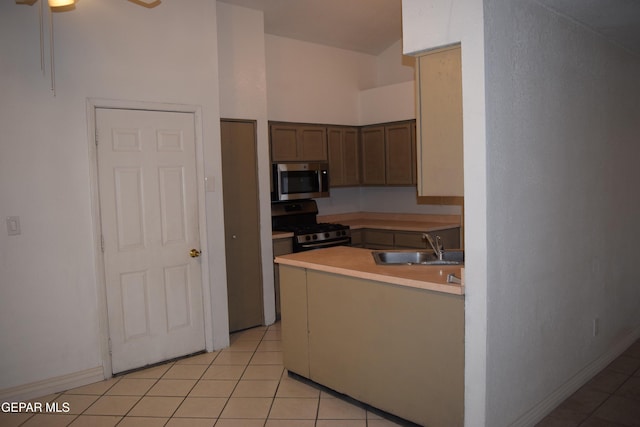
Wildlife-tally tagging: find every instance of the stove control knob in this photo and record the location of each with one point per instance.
(326, 235)
(307, 238)
(315, 237)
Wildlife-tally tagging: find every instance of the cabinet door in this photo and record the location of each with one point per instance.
(410, 240)
(356, 238)
(336, 157)
(414, 142)
(351, 156)
(440, 163)
(312, 143)
(450, 237)
(241, 223)
(344, 156)
(298, 143)
(378, 239)
(373, 156)
(399, 154)
(284, 143)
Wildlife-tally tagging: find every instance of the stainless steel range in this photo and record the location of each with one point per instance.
(299, 217)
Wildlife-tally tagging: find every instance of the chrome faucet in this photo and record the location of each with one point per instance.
(438, 250)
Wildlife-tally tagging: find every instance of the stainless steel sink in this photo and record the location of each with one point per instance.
(450, 257)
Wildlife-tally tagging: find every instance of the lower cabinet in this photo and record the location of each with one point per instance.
(394, 239)
(280, 247)
(398, 349)
(356, 238)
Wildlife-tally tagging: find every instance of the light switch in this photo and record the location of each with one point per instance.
(13, 225)
(209, 185)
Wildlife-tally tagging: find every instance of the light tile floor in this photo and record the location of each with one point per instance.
(244, 385)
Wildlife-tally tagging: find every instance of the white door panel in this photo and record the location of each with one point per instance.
(149, 213)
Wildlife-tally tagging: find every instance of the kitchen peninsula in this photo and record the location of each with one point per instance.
(389, 336)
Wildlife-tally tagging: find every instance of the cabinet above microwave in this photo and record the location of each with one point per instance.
(298, 142)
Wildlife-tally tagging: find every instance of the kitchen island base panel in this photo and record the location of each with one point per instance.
(396, 348)
(293, 307)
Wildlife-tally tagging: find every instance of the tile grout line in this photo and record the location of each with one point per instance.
(92, 403)
(610, 395)
(190, 390)
(239, 379)
(137, 401)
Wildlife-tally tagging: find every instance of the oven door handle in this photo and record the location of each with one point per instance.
(319, 245)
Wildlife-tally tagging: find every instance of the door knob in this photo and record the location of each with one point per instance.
(194, 253)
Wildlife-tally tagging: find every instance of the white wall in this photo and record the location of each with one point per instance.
(243, 95)
(558, 224)
(427, 25)
(311, 83)
(562, 148)
(388, 103)
(394, 67)
(49, 309)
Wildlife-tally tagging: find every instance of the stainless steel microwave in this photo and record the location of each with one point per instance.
(292, 181)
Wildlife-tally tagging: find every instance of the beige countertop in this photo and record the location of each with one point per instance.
(358, 262)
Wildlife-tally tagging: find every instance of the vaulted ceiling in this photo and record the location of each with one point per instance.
(367, 26)
(371, 26)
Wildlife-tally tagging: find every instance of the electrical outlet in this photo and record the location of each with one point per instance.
(596, 326)
(13, 226)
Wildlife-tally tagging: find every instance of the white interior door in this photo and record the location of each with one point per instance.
(149, 214)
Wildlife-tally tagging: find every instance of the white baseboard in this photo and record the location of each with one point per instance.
(52, 385)
(542, 409)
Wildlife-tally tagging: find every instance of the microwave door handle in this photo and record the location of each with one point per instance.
(321, 188)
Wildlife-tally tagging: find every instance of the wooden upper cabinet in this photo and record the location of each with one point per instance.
(344, 156)
(388, 154)
(313, 143)
(373, 155)
(298, 143)
(400, 148)
(381, 154)
(439, 109)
